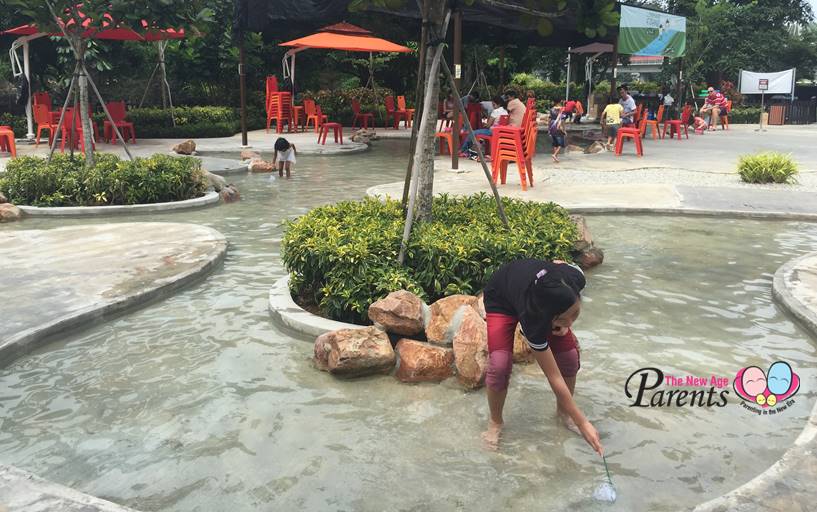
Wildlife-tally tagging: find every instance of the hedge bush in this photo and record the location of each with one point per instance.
(769, 167)
(191, 122)
(343, 257)
(65, 181)
(745, 115)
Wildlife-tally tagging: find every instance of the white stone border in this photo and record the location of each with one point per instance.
(295, 317)
(209, 199)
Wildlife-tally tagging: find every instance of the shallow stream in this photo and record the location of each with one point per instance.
(201, 403)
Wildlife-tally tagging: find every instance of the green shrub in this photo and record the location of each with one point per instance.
(191, 122)
(745, 115)
(337, 104)
(67, 182)
(548, 92)
(343, 257)
(17, 123)
(769, 167)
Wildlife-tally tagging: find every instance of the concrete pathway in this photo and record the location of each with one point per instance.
(57, 279)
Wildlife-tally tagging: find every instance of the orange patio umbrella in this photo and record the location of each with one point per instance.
(341, 36)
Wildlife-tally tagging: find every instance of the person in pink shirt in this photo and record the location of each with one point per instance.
(715, 105)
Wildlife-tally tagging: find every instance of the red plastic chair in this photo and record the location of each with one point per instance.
(675, 125)
(629, 133)
(364, 117)
(337, 128)
(7, 141)
(652, 123)
(502, 121)
(474, 112)
(445, 134)
(395, 113)
(311, 110)
(42, 116)
(119, 113)
(72, 116)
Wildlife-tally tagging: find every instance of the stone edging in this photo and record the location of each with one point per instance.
(779, 483)
(21, 490)
(208, 199)
(28, 340)
(293, 316)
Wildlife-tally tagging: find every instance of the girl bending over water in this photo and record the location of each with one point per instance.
(544, 297)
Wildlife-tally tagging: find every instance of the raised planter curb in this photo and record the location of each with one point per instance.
(25, 341)
(788, 484)
(209, 199)
(283, 308)
(23, 491)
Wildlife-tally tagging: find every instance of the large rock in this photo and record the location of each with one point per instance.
(261, 166)
(471, 349)
(354, 352)
(522, 353)
(589, 258)
(215, 181)
(421, 362)
(573, 148)
(442, 324)
(585, 240)
(248, 154)
(400, 312)
(187, 147)
(9, 213)
(3, 199)
(596, 147)
(230, 194)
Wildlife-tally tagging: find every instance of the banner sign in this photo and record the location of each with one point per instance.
(651, 33)
(769, 83)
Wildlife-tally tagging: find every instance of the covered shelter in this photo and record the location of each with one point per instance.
(28, 33)
(593, 52)
(340, 36)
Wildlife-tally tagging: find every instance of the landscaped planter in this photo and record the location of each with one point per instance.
(209, 199)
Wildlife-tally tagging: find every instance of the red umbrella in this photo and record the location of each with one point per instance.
(116, 33)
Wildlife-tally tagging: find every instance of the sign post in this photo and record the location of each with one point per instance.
(762, 86)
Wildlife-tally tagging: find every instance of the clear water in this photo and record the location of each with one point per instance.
(200, 402)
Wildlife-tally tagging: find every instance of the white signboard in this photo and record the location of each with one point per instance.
(775, 83)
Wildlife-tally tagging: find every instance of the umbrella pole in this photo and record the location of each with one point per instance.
(147, 87)
(62, 112)
(459, 111)
(108, 114)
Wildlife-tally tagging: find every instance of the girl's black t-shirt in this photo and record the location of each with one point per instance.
(506, 293)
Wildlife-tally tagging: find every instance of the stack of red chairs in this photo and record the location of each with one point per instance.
(278, 106)
(395, 113)
(515, 144)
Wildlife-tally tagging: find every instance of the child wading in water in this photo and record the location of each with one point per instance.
(544, 297)
(556, 130)
(284, 156)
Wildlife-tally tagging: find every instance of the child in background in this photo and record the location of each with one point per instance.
(284, 156)
(611, 121)
(556, 130)
(699, 125)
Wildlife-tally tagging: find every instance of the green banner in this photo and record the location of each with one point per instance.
(651, 33)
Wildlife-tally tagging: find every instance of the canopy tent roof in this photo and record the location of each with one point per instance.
(348, 37)
(507, 16)
(118, 33)
(593, 48)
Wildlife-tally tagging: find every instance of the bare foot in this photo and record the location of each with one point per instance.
(555, 159)
(568, 422)
(492, 435)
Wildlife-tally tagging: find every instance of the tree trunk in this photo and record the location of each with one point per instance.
(85, 120)
(426, 147)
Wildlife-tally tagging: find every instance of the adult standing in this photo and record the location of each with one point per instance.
(628, 104)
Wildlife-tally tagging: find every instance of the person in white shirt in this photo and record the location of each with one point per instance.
(497, 112)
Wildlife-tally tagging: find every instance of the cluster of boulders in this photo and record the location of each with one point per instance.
(187, 147)
(364, 135)
(422, 343)
(255, 163)
(8, 212)
(229, 193)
